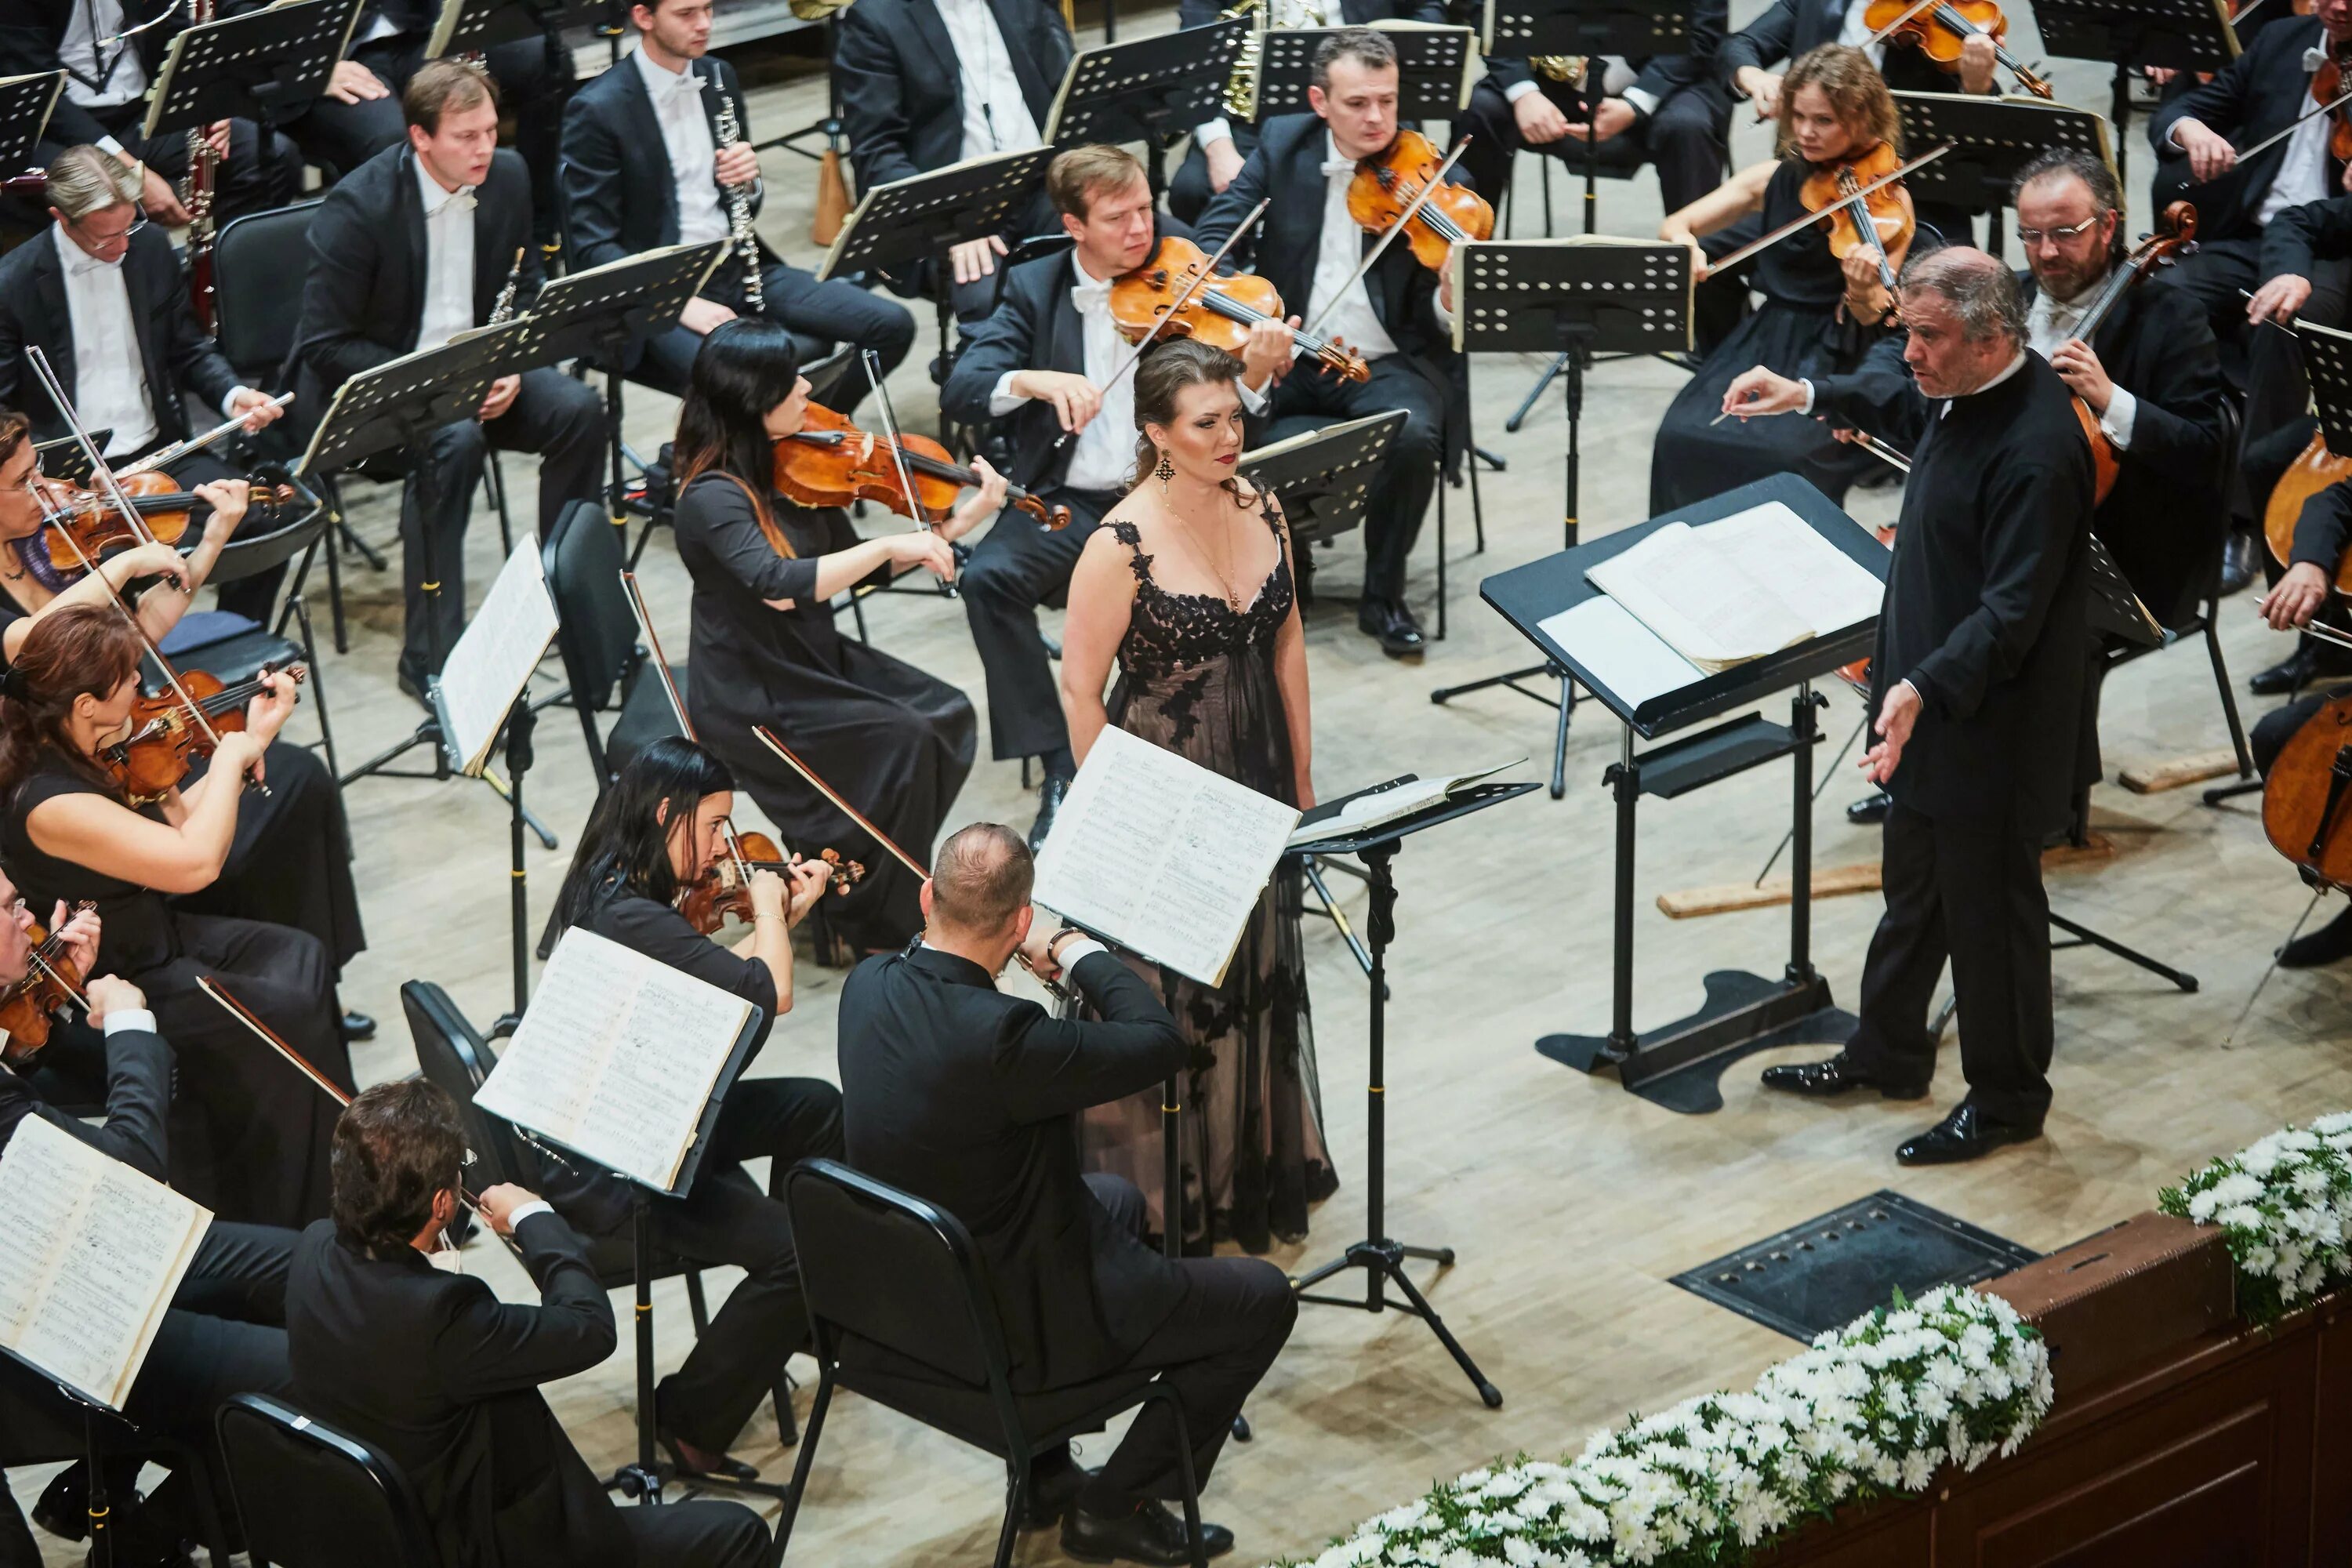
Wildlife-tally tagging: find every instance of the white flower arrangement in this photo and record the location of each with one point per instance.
(2284, 1204)
(1872, 1409)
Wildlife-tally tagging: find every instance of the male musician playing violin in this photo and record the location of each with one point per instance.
(1397, 315)
(1051, 360)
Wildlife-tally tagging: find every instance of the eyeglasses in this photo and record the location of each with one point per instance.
(2030, 237)
(137, 223)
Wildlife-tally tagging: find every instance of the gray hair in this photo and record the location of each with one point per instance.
(1981, 291)
(1368, 48)
(85, 180)
(2107, 197)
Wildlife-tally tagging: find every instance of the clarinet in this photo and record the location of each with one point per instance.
(745, 244)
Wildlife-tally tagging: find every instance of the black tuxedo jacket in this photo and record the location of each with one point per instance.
(31, 32)
(2299, 239)
(443, 1378)
(1657, 75)
(902, 92)
(2252, 97)
(173, 351)
(1287, 165)
(364, 301)
(138, 1098)
(1793, 26)
(969, 1099)
(620, 195)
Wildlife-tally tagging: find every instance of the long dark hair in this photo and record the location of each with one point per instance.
(744, 368)
(1166, 370)
(626, 836)
(73, 649)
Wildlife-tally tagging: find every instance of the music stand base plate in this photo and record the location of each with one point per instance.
(1677, 1066)
(1383, 1264)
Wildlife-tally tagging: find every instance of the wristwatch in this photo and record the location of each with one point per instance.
(1054, 942)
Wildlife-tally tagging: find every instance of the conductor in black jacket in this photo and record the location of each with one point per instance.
(1976, 685)
(643, 169)
(969, 1099)
(416, 246)
(442, 1378)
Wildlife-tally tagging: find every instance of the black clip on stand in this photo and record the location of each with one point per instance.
(1433, 70)
(2177, 35)
(475, 26)
(1991, 140)
(1380, 1257)
(1577, 300)
(264, 64)
(924, 216)
(1152, 90)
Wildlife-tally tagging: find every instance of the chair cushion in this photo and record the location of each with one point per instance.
(229, 647)
(968, 1413)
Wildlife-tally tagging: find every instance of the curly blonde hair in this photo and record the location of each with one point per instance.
(1857, 96)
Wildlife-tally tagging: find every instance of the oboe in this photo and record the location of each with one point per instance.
(503, 307)
(745, 243)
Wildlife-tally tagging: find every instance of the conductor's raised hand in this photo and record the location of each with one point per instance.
(1075, 399)
(2279, 299)
(1763, 390)
(2296, 598)
(1896, 715)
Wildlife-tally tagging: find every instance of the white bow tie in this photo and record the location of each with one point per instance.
(460, 200)
(81, 264)
(1090, 298)
(1338, 166)
(2313, 60)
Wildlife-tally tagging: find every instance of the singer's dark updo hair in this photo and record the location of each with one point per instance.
(1162, 375)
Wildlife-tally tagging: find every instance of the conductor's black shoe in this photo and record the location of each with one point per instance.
(357, 1025)
(1054, 1491)
(1966, 1134)
(1399, 634)
(1153, 1534)
(1049, 804)
(2241, 561)
(1870, 810)
(725, 1468)
(2331, 944)
(1839, 1075)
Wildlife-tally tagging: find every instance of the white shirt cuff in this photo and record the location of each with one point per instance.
(1519, 90)
(1254, 400)
(2173, 137)
(1077, 950)
(109, 144)
(228, 403)
(1807, 405)
(1003, 400)
(514, 1220)
(2122, 409)
(1645, 102)
(1917, 695)
(124, 1018)
(1217, 130)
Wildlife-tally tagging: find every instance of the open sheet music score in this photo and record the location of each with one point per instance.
(1160, 855)
(497, 654)
(617, 1058)
(1375, 807)
(90, 1254)
(1737, 589)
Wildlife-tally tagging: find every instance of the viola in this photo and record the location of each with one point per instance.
(831, 462)
(725, 889)
(52, 983)
(1386, 183)
(2174, 235)
(169, 732)
(90, 520)
(1880, 223)
(1937, 29)
(1215, 311)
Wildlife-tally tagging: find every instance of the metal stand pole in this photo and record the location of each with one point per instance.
(518, 760)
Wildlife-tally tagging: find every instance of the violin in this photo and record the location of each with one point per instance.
(52, 983)
(1937, 28)
(725, 889)
(1880, 223)
(1386, 185)
(1215, 311)
(830, 462)
(2326, 87)
(92, 522)
(170, 730)
(2174, 235)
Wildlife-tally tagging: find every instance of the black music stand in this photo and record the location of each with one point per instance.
(475, 26)
(263, 65)
(1434, 69)
(1677, 1064)
(1575, 299)
(923, 216)
(1991, 140)
(25, 102)
(1380, 1257)
(1152, 90)
(2176, 34)
(63, 458)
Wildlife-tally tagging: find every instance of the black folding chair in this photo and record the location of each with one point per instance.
(607, 668)
(310, 1497)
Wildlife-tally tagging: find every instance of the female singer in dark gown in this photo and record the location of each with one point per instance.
(1819, 316)
(292, 863)
(249, 1134)
(1189, 583)
(894, 741)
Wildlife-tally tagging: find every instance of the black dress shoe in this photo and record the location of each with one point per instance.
(1870, 810)
(2331, 944)
(1399, 634)
(2284, 676)
(1050, 795)
(1153, 1534)
(1054, 1491)
(1841, 1073)
(1966, 1134)
(357, 1025)
(2239, 562)
(727, 1468)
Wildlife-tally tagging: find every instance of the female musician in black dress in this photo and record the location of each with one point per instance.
(654, 834)
(292, 863)
(249, 1135)
(1819, 316)
(894, 741)
(1188, 584)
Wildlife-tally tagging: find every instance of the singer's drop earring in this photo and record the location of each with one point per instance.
(1164, 472)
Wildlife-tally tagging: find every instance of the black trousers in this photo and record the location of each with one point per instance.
(702, 1534)
(340, 136)
(260, 173)
(1686, 138)
(290, 862)
(726, 1219)
(1189, 192)
(1311, 397)
(1972, 894)
(1014, 569)
(1212, 1349)
(558, 417)
(833, 312)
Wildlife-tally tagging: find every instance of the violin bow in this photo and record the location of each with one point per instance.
(873, 364)
(1786, 229)
(1313, 328)
(2288, 129)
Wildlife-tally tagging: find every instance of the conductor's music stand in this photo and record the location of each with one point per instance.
(475, 26)
(25, 102)
(1991, 140)
(2176, 34)
(262, 64)
(1576, 298)
(923, 216)
(1434, 69)
(1152, 90)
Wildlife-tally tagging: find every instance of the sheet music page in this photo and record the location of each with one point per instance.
(1690, 593)
(1626, 658)
(1375, 807)
(90, 1252)
(494, 658)
(1162, 856)
(1828, 589)
(617, 1056)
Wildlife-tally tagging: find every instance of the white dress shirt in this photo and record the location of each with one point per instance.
(1342, 250)
(1855, 30)
(685, 137)
(2302, 176)
(2049, 323)
(109, 378)
(93, 80)
(996, 117)
(449, 261)
(1617, 79)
